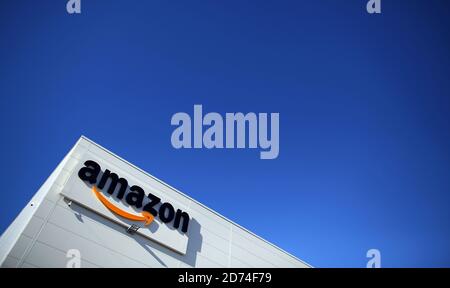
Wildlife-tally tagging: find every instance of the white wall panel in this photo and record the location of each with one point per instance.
(55, 227)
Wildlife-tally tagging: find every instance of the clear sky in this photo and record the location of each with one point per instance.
(364, 104)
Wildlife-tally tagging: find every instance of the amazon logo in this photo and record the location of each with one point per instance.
(134, 196)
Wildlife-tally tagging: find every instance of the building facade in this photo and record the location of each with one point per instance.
(98, 210)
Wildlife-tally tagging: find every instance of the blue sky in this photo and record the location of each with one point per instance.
(364, 104)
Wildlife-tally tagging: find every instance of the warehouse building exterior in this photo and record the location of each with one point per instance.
(98, 210)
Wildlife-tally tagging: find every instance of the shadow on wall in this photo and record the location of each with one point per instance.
(195, 238)
(194, 245)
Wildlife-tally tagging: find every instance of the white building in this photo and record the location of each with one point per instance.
(98, 210)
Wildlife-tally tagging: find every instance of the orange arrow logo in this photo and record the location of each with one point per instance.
(145, 216)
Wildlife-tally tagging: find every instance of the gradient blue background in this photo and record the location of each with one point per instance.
(364, 104)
